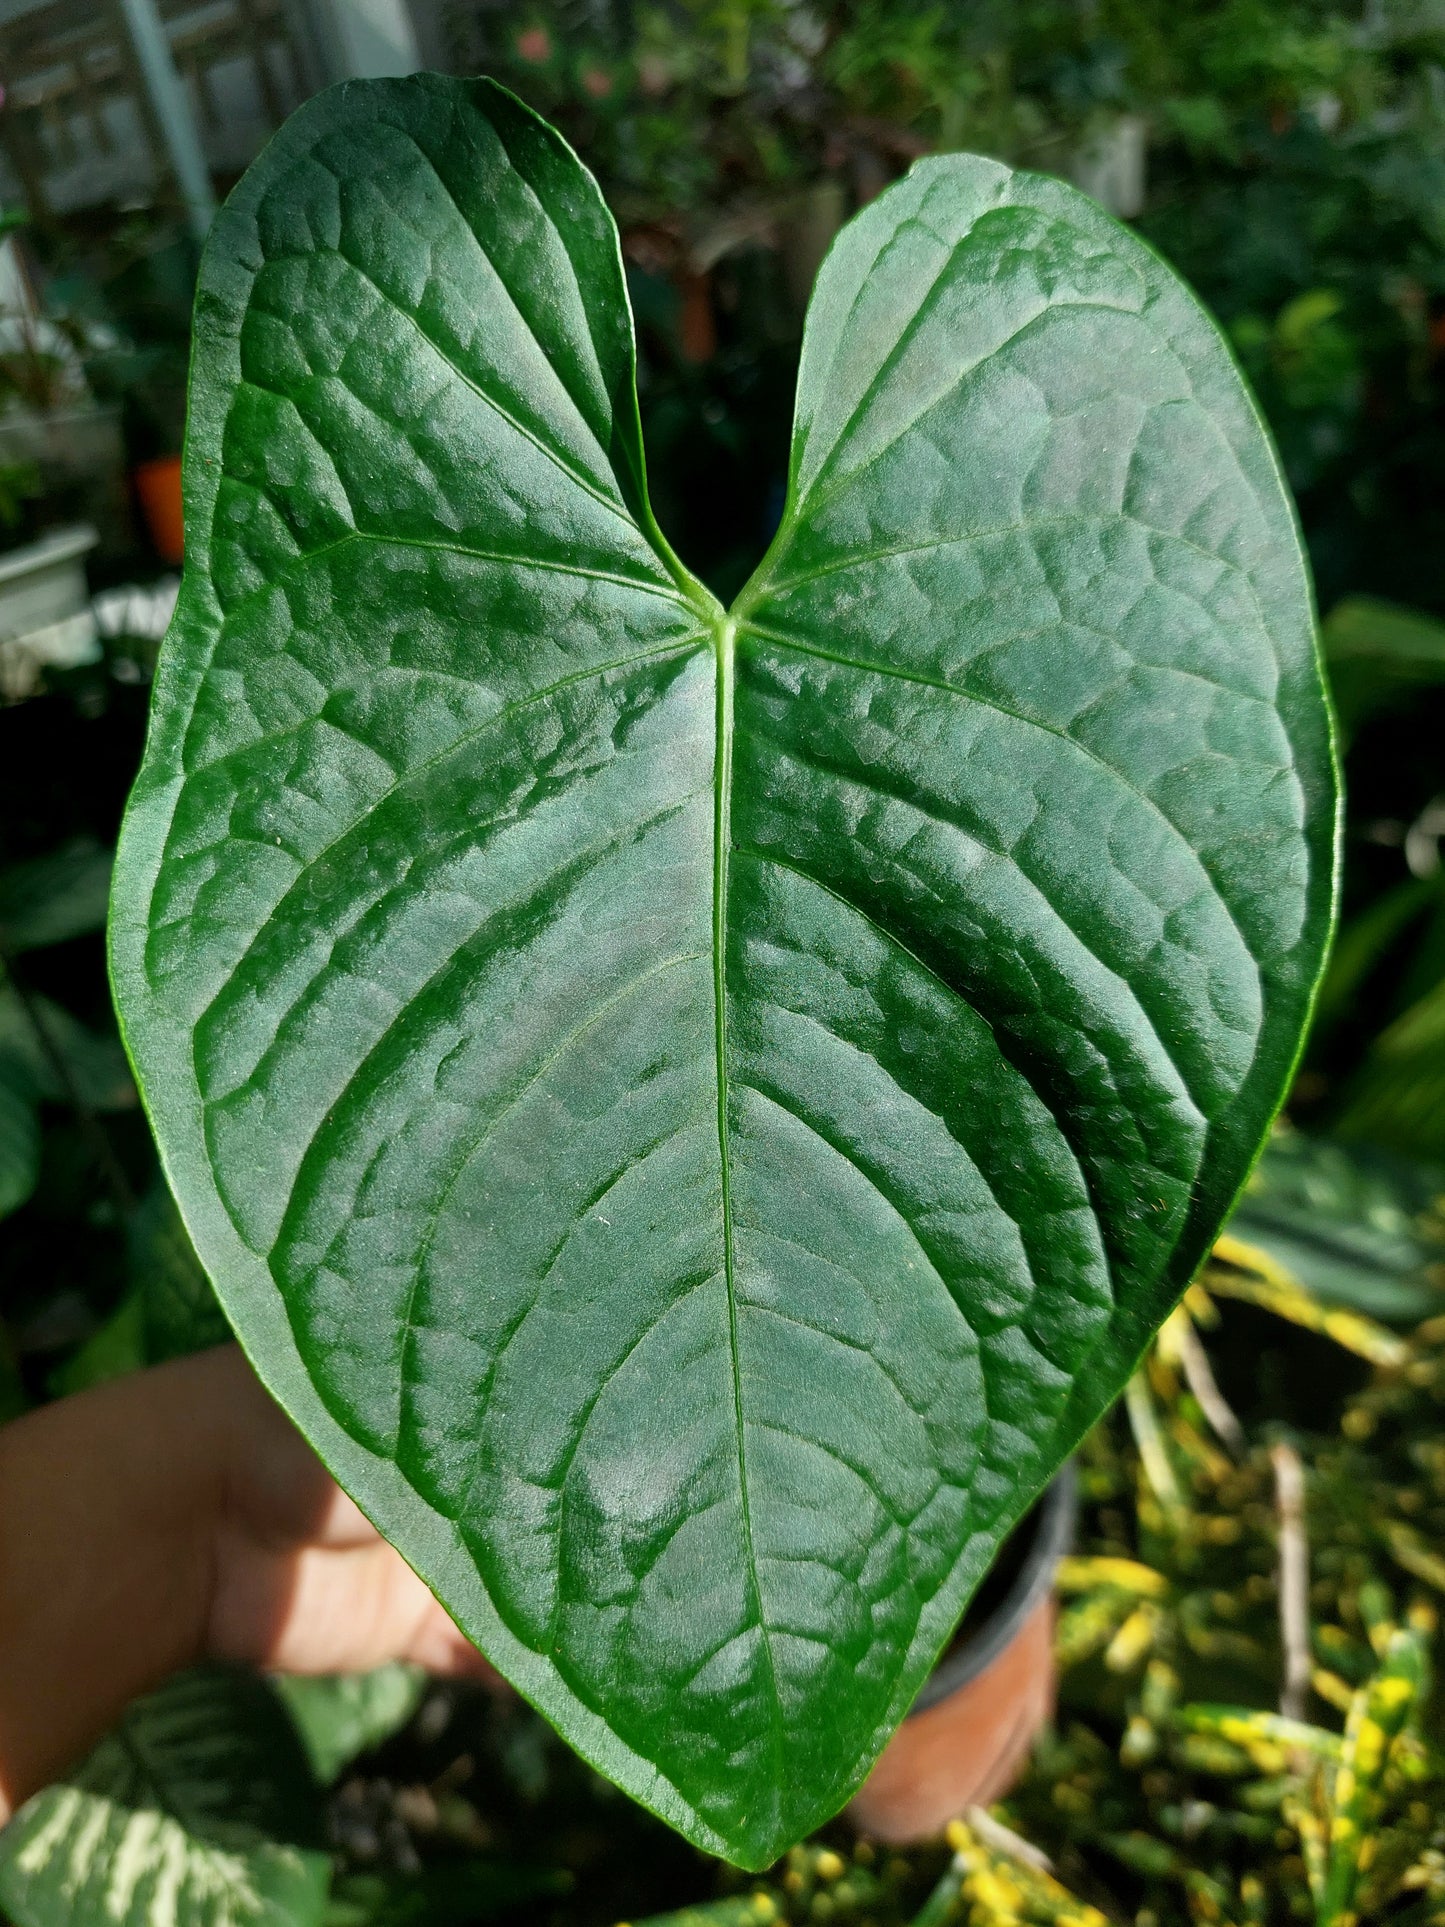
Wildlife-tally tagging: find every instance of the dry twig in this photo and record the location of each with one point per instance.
(1294, 1557)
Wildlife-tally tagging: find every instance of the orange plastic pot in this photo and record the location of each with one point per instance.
(971, 1728)
(158, 485)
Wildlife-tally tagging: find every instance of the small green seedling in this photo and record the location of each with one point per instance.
(695, 1111)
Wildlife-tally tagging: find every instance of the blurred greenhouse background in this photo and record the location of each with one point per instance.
(1288, 156)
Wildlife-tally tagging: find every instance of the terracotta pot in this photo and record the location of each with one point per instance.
(969, 1733)
(158, 484)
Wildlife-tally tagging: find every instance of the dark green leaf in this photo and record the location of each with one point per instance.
(59, 1058)
(1378, 653)
(1369, 937)
(180, 1311)
(1355, 1227)
(340, 1717)
(114, 1349)
(188, 1813)
(19, 1132)
(169, 1311)
(1426, 957)
(53, 898)
(449, 1894)
(694, 1114)
(1397, 1098)
(45, 1054)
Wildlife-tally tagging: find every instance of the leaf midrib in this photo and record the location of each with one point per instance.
(726, 635)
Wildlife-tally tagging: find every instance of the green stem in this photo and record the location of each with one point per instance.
(941, 1905)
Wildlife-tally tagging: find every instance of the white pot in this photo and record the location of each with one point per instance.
(1113, 165)
(45, 614)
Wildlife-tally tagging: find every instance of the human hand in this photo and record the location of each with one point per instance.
(173, 1516)
(302, 1582)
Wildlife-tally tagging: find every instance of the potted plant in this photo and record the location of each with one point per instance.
(44, 454)
(694, 1111)
(968, 1734)
(50, 421)
(127, 306)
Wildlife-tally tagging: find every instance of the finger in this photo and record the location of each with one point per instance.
(340, 1524)
(328, 1609)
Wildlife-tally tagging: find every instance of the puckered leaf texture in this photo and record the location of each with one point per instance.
(694, 1112)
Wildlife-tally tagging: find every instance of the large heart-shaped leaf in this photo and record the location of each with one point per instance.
(695, 1113)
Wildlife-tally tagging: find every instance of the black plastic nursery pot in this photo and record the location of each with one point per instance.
(970, 1730)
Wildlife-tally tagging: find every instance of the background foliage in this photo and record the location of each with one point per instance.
(1293, 167)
